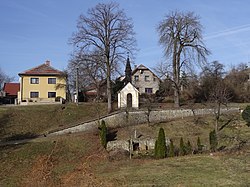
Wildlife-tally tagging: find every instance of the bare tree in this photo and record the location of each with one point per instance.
(91, 70)
(180, 34)
(107, 30)
(4, 79)
(215, 89)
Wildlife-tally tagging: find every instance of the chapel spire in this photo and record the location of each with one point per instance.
(128, 71)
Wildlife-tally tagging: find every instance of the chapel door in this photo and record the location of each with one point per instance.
(129, 100)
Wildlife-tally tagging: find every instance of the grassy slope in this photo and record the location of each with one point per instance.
(28, 121)
(78, 159)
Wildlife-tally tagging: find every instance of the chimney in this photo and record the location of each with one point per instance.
(47, 62)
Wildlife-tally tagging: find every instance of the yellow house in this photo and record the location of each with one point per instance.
(42, 84)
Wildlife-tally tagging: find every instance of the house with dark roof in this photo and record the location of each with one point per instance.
(42, 84)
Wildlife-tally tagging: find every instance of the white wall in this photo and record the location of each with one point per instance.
(122, 96)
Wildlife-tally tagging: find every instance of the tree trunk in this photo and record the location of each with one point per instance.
(176, 78)
(109, 90)
(109, 95)
(217, 117)
(176, 98)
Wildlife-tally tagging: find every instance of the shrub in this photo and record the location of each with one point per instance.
(189, 148)
(160, 149)
(171, 149)
(213, 141)
(156, 148)
(182, 151)
(103, 134)
(199, 145)
(246, 115)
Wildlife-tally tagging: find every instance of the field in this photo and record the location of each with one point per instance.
(79, 160)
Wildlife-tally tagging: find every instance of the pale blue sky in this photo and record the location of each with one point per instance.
(32, 32)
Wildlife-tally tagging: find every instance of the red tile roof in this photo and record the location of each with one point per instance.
(11, 88)
(44, 69)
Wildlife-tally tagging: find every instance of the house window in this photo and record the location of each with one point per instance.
(146, 78)
(34, 94)
(51, 94)
(51, 80)
(149, 90)
(136, 78)
(34, 80)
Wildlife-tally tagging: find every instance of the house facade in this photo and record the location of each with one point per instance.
(128, 97)
(42, 84)
(145, 80)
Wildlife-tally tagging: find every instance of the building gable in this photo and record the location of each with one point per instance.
(145, 80)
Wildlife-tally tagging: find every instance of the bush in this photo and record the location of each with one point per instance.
(246, 115)
(189, 149)
(182, 151)
(103, 134)
(171, 149)
(160, 148)
(156, 147)
(213, 141)
(199, 145)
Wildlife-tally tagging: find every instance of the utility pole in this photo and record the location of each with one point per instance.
(77, 86)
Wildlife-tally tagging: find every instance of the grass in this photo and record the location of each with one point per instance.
(31, 162)
(201, 170)
(29, 121)
(79, 160)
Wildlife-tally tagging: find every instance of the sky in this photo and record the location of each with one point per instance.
(32, 32)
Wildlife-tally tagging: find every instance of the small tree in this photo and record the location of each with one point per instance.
(246, 115)
(182, 148)
(161, 150)
(103, 134)
(156, 148)
(199, 145)
(171, 149)
(189, 148)
(213, 141)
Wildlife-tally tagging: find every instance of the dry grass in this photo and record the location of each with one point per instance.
(79, 160)
(29, 121)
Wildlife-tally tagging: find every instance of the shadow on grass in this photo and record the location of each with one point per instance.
(9, 147)
(18, 137)
(112, 135)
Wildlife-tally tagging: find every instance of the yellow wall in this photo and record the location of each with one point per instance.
(43, 88)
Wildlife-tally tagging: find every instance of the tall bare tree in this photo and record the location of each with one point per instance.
(4, 79)
(90, 72)
(108, 30)
(180, 34)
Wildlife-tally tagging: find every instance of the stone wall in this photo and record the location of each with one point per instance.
(124, 118)
(143, 144)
